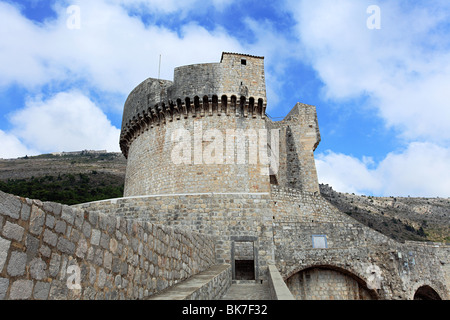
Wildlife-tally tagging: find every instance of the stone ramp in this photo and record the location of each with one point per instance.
(248, 291)
(207, 285)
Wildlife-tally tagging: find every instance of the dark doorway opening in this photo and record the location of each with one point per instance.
(426, 293)
(245, 269)
(244, 257)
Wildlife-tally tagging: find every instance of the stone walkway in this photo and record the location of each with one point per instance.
(247, 291)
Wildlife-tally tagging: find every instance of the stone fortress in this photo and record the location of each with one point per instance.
(216, 193)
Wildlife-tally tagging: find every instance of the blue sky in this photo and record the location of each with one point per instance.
(382, 95)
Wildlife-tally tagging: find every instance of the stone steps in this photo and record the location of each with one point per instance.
(207, 285)
(248, 291)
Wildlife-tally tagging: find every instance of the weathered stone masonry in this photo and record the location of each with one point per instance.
(283, 223)
(117, 258)
(282, 215)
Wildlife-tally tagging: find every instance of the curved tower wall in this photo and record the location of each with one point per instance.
(154, 161)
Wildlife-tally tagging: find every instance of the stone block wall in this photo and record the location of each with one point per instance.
(196, 80)
(48, 249)
(243, 75)
(318, 284)
(194, 162)
(223, 216)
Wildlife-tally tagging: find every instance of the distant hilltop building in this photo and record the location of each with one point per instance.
(72, 153)
(215, 188)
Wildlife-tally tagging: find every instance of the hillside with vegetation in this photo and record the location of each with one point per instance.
(400, 218)
(68, 178)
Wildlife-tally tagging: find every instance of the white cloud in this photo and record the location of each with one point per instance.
(404, 67)
(346, 173)
(12, 147)
(170, 6)
(112, 51)
(422, 169)
(68, 121)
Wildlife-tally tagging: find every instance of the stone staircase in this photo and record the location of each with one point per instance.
(210, 284)
(216, 284)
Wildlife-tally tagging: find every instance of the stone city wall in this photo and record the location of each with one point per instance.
(47, 248)
(283, 226)
(221, 215)
(216, 287)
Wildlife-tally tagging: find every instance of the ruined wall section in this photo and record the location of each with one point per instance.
(299, 138)
(223, 216)
(42, 244)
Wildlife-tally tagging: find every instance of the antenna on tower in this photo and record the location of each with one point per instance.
(159, 68)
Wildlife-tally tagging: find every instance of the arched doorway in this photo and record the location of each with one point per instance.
(426, 293)
(328, 283)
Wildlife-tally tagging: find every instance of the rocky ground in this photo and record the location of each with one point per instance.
(401, 218)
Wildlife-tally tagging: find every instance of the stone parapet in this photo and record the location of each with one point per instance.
(278, 288)
(233, 87)
(50, 251)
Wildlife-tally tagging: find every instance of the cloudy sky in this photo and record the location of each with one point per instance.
(377, 71)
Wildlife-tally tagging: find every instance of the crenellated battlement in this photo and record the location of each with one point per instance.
(233, 87)
(170, 111)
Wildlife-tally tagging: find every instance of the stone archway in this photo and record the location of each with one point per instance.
(426, 293)
(328, 283)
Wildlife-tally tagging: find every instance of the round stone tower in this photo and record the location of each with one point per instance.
(201, 133)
